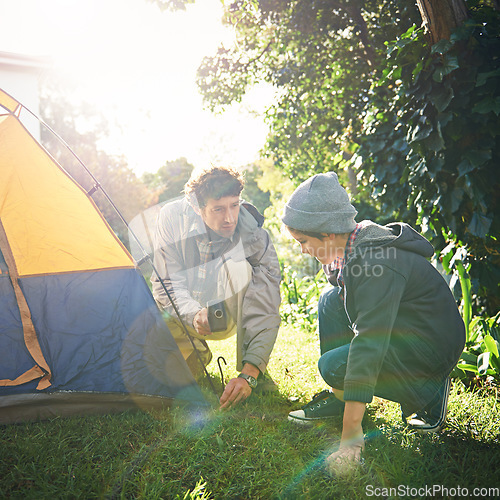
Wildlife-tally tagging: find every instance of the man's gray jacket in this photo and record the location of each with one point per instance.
(177, 260)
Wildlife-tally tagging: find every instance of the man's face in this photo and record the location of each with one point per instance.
(221, 216)
(325, 250)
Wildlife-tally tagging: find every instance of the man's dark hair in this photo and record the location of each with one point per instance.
(215, 183)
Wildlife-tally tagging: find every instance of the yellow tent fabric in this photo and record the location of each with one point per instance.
(51, 224)
(8, 102)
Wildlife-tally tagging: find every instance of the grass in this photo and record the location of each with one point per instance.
(251, 452)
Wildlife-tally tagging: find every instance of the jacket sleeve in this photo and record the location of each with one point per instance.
(170, 265)
(373, 302)
(261, 318)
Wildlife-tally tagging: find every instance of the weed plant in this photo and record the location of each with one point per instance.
(251, 452)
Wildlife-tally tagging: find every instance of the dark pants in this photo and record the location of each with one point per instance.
(335, 335)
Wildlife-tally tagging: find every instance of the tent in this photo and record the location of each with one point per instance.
(79, 329)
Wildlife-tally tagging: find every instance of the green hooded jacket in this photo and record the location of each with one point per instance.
(401, 310)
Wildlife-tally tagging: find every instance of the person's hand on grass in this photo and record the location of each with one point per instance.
(236, 391)
(352, 442)
(346, 456)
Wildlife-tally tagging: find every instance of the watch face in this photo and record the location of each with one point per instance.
(252, 382)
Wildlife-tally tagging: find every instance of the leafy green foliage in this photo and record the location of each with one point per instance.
(168, 182)
(273, 182)
(300, 298)
(418, 124)
(431, 156)
(479, 364)
(322, 58)
(252, 192)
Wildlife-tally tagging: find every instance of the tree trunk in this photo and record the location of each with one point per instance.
(441, 17)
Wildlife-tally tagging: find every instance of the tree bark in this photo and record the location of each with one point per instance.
(441, 17)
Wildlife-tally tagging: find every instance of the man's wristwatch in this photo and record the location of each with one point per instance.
(252, 381)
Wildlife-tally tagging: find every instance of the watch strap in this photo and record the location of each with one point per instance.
(252, 381)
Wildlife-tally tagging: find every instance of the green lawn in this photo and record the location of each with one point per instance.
(253, 452)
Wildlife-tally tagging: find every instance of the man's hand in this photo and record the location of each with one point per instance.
(200, 322)
(237, 389)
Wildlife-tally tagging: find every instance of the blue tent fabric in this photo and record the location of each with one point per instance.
(99, 332)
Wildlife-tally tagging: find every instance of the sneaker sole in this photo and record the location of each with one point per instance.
(426, 428)
(298, 421)
(308, 421)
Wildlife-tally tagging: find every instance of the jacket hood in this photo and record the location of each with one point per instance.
(397, 234)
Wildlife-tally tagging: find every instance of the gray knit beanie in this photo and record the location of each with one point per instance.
(320, 205)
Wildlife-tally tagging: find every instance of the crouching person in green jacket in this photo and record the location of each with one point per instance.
(389, 327)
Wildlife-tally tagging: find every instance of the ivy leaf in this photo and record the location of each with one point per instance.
(478, 157)
(482, 77)
(435, 141)
(464, 167)
(457, 196)
(442, 99)
(418, 68)
(486, 105)
(422, 90)
(444, 118)
(421, 131)
(450, 63)
(441, 47)
(437, 76)
(479, 225)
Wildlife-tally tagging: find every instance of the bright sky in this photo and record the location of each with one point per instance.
(139, 66)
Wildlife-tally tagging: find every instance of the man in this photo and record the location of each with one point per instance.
(388, 327)
(211, 248)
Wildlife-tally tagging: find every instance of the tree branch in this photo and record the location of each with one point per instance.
(251, 61)
(354, 12)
